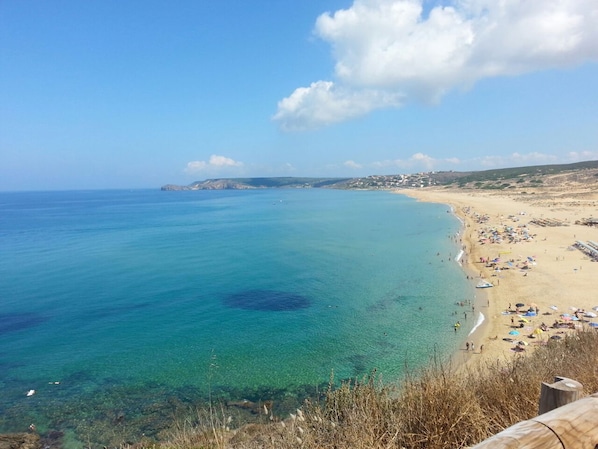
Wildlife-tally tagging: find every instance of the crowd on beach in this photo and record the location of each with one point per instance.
(526, 324)
(526, 317)
(520, 247)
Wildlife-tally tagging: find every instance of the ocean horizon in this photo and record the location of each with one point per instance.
(128, 306)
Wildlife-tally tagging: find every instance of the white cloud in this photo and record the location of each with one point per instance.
(214, 165)
(580, 156)
(352, 164)
(389, 52)
(324, 103)
(420, 162)
(518, 160)
(415, 163)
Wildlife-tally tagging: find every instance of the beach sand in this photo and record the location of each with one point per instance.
(538, 265)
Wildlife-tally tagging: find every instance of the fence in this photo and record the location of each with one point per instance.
(558, 426)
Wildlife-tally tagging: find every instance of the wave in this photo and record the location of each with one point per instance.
(477, 324)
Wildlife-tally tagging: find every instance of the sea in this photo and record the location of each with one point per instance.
(122, 310)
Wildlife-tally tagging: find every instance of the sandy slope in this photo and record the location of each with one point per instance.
(558, 276)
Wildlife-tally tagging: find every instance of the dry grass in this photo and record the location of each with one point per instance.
(436, 408)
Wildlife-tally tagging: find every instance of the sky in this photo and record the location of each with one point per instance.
(110, 94)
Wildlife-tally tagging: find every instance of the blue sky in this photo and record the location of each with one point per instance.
(137, 94)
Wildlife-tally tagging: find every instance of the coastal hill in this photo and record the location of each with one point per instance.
(497, 179)
(261, 183)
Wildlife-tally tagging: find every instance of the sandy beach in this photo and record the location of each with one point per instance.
(524, 244)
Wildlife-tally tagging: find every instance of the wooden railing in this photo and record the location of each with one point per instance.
(570, 426)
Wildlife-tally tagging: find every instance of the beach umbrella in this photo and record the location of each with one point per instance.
(556, 337)
(594, 324)
(519, 304)
(513, 333)
(554, 308)
(537, 331)
(566, 318)
(591, 315)
(525, 320)
(595, 308)
(530, 314)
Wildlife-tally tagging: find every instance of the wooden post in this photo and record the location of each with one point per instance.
(561, 392)
(572, 426)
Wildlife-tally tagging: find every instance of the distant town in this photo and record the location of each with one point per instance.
(386, 182)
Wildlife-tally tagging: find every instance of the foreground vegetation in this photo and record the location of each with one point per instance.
(439, 407)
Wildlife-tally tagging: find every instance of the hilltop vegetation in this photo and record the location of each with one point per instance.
(529, 177)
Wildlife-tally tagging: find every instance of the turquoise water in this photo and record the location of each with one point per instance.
(116, 301)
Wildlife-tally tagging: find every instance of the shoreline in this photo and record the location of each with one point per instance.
(503, 244)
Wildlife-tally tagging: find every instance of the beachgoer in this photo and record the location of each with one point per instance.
(481, 348)
(467, 346)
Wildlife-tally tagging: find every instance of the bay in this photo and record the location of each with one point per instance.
(111, 300)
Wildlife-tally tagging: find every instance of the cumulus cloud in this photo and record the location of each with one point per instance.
(420, 162)
(415, 163)
(518, 159)
(580, 156)
(324, 103)
(389, 52)
(352, 164)
(215, 164)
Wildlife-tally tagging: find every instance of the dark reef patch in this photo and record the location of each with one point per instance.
(267, 300)
(12, 322)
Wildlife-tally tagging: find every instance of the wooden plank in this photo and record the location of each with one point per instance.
(576, 424)
(524, 435)
(572, 426)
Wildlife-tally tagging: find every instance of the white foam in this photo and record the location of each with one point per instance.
(477, 324)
